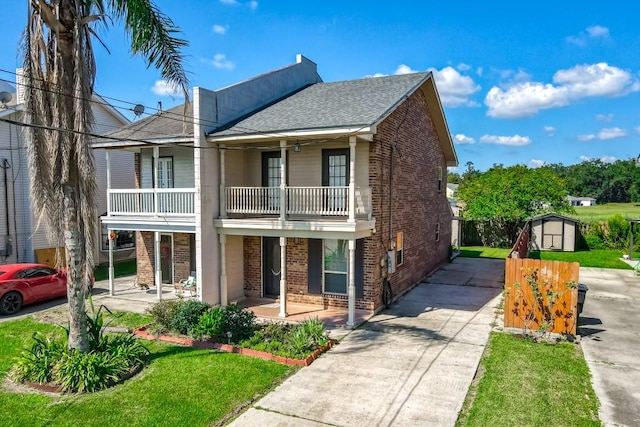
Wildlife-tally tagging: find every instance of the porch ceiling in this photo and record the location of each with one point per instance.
(176, 225)
(314, 229)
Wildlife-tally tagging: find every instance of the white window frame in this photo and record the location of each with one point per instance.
(439, 176)
(346, 274)
(437, 232)
(399, 248)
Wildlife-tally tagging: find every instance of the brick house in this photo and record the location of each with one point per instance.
(287, 187)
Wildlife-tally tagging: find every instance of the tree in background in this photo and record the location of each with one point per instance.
(60, 68)
(506, 197)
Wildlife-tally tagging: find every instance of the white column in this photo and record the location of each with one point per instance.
(108, 159)
(283, 277)
(111, 271)
(223, 271)
(351, 292)
(283, 180)
(352, 179)
(156, 156)
(156, 249)
(223, 198)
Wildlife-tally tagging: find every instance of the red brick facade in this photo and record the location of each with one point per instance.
(146, 258)
(416, 203)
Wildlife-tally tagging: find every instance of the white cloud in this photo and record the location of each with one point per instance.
(253, 4)
(611, 133)
(454, 88)
(515, 140)
(527, 98)
(591, 33)
(604, 134)
(463, 67)
(550, 130)
(637, 129)
(229, 1)
(164, 88)
(221, 62)
(219, 29)
(604, 117)
(535, 163)
(479, 71)
(464, 139)
(603, 159)
(404, 69)
(452, 169)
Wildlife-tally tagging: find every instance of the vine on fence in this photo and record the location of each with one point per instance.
(540, 306)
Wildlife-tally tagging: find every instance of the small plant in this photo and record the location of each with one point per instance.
(163, 313)
(187, 315)
(240, 322)
(209, 325)
(35, 364)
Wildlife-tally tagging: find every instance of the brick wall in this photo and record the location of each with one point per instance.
(416, 205)
(146, 258)
(252, 266)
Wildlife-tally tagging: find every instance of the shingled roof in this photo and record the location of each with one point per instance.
(169, 124)
(346, 104)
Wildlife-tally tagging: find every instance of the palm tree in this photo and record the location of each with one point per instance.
(60, 69)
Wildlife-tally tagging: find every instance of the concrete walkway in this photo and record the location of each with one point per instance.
(410, 365)
(610, 329)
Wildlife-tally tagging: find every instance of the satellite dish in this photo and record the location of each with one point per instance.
(5, 97)
(138, 110)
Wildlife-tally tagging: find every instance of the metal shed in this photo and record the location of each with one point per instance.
(554, 232)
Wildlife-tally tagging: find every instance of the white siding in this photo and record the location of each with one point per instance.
(183, 175)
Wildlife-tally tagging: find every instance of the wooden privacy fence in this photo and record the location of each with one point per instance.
(521, 247)
(541, 295)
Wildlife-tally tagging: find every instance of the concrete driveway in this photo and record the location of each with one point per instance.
(409, 365)
(610, 329)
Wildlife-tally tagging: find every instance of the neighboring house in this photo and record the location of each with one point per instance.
(20, 236)
(452, 191)
(581, 201)
(284, 186)
(456, 224)
(554, 232)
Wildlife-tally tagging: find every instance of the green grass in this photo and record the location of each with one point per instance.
(600, 258)
(483, 252)
(179, 387)
(126, 267)
(529, 384)
(606, 211)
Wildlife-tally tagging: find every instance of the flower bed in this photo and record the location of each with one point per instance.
(197, 324)
(143, 332)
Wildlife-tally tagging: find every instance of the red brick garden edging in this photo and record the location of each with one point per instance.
(229, 348)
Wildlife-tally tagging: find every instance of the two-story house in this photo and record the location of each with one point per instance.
(287, 187)
(21, 237)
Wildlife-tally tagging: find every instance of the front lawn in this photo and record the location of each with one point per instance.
(600, 258)
(179, 387)
(531, 384)
(483, 252)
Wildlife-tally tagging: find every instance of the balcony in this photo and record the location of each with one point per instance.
(300, 201)
(161, 202)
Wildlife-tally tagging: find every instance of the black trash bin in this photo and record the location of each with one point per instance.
(582, 294)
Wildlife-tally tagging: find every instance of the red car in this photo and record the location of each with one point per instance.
(23, 284)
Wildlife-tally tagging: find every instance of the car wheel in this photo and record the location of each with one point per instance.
(10, 303)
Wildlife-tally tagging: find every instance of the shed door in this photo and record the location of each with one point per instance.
(552, 235)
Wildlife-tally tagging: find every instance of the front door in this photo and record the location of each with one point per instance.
(271, 173)
(165, 172)
(335, 173)
(166, 258)
(271, 266)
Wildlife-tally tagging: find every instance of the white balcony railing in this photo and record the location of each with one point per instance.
(152, 202)
(312, 201)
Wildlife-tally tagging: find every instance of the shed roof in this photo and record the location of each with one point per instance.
(553, 215)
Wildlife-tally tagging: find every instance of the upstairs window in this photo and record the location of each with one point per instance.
(399, 248)
(439, 179)
(437, 232)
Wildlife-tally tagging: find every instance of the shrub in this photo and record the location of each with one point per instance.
(209, 325)
(188, 315)
(618, 232)
(163, 313)
(36, 363)
(239, 322)
(594, 242)
(314, 329)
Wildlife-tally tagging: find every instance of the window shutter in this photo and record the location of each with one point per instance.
(314, 266)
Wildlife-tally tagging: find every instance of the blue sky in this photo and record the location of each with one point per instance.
(521, 82)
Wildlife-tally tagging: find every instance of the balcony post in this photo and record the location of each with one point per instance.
(111, 270)
(283, 277)
(156, 204)
(108, 159)
(223, 198)
(283, 180)
(223, 271)
(158, 267)
(352, 179)
(351, 292)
